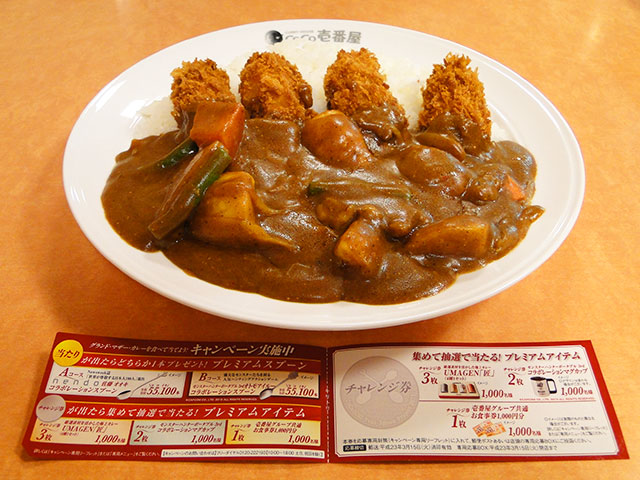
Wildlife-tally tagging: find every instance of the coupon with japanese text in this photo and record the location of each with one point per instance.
(471, 402)
(109, 398)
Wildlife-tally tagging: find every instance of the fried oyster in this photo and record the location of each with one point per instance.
(271, 87)
(196, 82)
(454, 88)
(354, 83)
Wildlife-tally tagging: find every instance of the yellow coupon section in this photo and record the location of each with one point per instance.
(274, 432)
(82, 431)
(67, 352)
(254, 383)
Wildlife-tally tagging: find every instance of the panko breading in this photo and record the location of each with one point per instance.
(271, 87)
(455, 88)
(354, 83)
(196, 82)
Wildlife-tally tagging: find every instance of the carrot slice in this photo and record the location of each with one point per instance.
(513, 188)
(219, 121)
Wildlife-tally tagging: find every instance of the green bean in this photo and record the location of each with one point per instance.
(318, 187)
(204, 169)
(186, 147)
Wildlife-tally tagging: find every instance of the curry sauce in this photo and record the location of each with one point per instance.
(402, 224)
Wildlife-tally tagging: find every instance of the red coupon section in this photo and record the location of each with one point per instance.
(108, 398)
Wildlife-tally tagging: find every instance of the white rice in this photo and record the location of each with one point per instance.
(154, 119)
(405, 80)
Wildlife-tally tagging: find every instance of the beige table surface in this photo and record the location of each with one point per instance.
(55, 56)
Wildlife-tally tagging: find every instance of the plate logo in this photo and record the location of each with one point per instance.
(320, 35)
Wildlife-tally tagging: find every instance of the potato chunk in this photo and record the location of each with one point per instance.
(434, 167)
(336, 213)
(361, 246)
(465, 236)
(227, 214)
(336, 140)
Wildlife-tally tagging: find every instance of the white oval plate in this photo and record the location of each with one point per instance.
(106, 127)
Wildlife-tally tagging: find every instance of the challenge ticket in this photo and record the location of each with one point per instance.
(109, 398)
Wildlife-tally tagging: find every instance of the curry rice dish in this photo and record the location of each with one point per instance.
(269, 196)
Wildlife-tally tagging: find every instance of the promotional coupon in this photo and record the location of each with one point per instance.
(110, 398)
(468, 402)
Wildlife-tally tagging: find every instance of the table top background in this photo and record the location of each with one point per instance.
(56, 56)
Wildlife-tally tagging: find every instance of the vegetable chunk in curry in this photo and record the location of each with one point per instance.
(266, 195)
